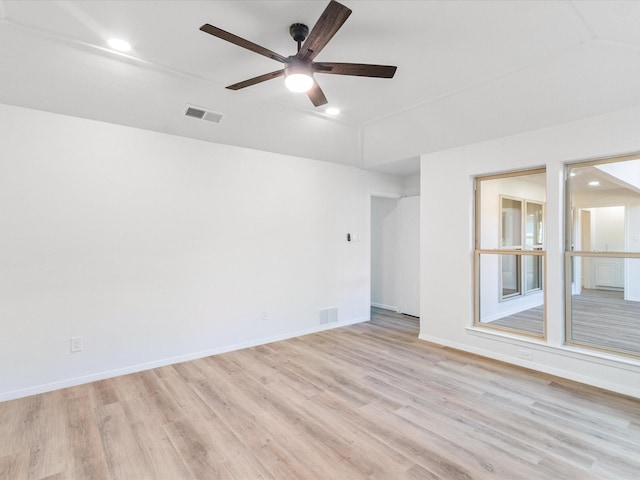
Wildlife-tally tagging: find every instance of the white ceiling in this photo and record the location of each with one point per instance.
(467, 71)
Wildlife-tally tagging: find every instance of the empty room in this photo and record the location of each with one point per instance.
(319, 240)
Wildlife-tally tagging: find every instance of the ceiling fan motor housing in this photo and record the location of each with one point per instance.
(299, 32)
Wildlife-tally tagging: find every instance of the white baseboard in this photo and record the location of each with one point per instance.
(94, 377)
(385, 307)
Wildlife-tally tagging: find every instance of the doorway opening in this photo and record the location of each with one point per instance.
(395, 254)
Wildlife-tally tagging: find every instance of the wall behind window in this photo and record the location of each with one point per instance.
(446, 261)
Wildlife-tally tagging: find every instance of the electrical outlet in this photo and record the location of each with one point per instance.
(76, 344)
(264, 316)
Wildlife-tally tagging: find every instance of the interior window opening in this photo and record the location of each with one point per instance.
(510, 254)
(603, 255)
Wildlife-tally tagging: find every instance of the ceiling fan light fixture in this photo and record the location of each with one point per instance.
(298, 78)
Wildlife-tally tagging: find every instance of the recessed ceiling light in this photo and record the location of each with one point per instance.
(120, 45)
(332, 111)
(595, 183)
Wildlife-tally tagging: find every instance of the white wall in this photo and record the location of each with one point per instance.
(385, 222)
(409, 256)
(446, 263)
(157, 248)
(411, 185)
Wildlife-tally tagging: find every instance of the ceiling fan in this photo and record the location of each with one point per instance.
(299, 68)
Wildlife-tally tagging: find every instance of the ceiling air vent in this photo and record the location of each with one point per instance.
(202, 114)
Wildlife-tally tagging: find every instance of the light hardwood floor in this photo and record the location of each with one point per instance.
(530, 320)
(605, 318)
(365, 401)
(602, 318)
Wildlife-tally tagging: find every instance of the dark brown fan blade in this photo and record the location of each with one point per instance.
(316, 95)
(254, 80)
(325, 28)
(241, 42)
(355, 69)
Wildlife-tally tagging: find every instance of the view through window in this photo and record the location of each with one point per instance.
(603, 255)
(509, 253)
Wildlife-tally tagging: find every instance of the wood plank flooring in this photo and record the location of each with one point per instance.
(369, 401)
(605, 318)
(602, 318)
(530, 320)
